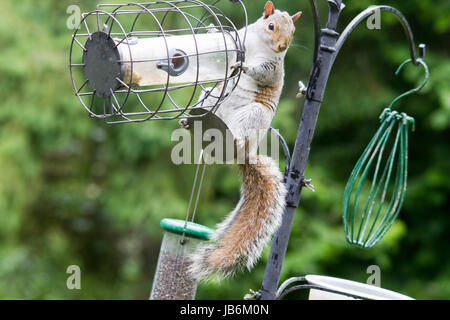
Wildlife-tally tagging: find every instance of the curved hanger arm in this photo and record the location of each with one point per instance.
(371, 10)
(287, 154)
(407, 93)
(316, 19)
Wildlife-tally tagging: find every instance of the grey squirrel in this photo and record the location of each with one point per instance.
(239, 240)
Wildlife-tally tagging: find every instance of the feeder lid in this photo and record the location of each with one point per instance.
(192, 230)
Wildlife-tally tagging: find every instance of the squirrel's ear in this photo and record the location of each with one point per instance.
(269, 9)
(296, 16)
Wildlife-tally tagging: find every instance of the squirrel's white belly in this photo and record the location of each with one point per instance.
(243, 95)
(247, 119)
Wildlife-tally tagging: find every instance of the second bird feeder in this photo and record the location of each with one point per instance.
(172, 279)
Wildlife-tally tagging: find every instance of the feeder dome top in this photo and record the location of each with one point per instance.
(191, 229)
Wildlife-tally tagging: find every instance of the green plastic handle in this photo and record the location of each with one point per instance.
(190, 229)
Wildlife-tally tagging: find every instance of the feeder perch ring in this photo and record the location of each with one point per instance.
(156, 60)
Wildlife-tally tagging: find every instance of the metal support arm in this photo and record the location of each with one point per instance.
(371, 10)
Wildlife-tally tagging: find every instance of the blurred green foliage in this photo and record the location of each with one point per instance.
(77, 191)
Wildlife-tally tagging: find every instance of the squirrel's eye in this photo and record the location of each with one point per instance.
(271, 27)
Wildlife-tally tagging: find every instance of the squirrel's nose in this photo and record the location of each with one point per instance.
(282, 46)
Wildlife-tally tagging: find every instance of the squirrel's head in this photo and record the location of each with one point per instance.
(278, 27)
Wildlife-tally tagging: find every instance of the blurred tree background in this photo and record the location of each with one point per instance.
(76, 191)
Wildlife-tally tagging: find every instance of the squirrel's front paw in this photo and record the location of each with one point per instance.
(238, 65)
(184, 123)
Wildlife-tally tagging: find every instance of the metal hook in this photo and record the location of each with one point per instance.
(427, 75)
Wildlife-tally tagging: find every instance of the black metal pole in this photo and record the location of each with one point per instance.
(316, 87)
(328, 44)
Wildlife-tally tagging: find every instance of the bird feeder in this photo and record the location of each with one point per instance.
(172, 280)
(155, 60)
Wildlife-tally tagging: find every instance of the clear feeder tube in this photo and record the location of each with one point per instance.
(186, 58)
(172, 280)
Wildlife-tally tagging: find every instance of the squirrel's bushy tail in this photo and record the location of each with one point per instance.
(239, 240)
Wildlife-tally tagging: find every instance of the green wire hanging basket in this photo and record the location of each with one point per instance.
(375, 191)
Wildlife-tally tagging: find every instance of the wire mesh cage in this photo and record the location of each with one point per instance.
(372, 205)
(375, 191)
(156, 60)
